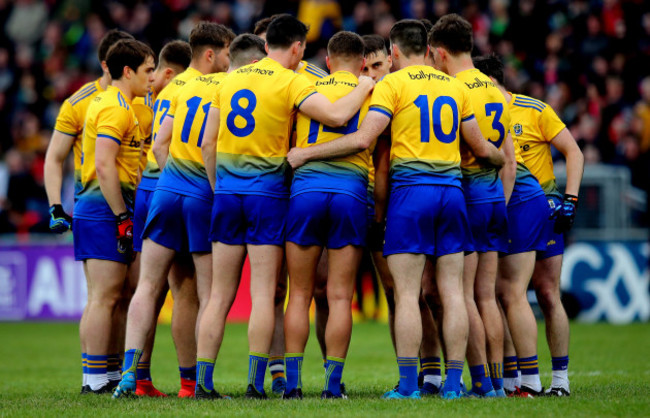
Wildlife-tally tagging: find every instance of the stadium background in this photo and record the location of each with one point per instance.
(588, 59)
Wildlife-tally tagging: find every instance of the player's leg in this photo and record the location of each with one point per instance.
(342, 272)
(227, 262)
(485, 296)
(546, 282)
(266, 264)
(407, 272)
(476, 348)
(511, 377)
(182, 284)
(381, 265)
(455, 325)
(302, 262)
(82, 334)
(322, 310)
(276, 359)
(107, 279)
(515, 272)
(429, 349)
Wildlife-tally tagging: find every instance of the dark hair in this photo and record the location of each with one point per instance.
(453, 33)
(175, 53)
(374, 44)
(126, 53)
(346, 45)
(284, 30)
(410, 36)
(209, 35)
(110, 39)
(262, 25)
(491, 66)
(246, 48)
(427, 24)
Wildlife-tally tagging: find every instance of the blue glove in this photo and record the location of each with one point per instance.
(60, 221)
(565, 214)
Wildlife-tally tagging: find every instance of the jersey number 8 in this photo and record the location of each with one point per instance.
(243, 112)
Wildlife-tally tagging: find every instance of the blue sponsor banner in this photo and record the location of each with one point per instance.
(610, 280)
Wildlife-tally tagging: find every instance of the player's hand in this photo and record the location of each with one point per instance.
(366, 82)
(60, 221)
(565, 214)
(124, 233)
(376, 236)
(296, 157)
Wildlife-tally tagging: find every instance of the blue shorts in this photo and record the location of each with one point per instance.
(179, 222)
(142, 202)
(526, 225)
(426, 219)
(371, 203)
(331, 220)
(97, 239)
(554, 241)
(488, 224)
(239, 219)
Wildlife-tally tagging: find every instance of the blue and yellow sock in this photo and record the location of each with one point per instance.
(333, 373)
(481, 383)
(187, 373)
(276, 367)
(510, 367)
(113, 367)
(131, 359)
(496, 375)
(408, 375)
(430, 369)
(144, 370)
(84, 369)
(97, 371)
(454, 371)
(529, 366)
(257, 363)
(293, 365)
(204, 371)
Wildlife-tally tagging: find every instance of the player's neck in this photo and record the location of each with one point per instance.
(282, 57)
(506, 93)
(105, 81)
(198, 65)
(124, 87)
(460, 63)
(411, 61)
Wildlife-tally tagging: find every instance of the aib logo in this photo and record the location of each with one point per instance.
(611, 280)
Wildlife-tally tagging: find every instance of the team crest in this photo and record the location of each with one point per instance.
(518, 129)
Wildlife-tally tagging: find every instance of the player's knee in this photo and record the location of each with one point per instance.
(280, 293)
(339, 296)
(548, 298)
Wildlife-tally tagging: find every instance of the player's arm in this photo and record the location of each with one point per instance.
(481, 148)
(57, 151)
(381, 161)
(336, 114)
(372, 126)
(209, 144)
(575, 161)
(106, 150)
(160, 146)
(508, 172)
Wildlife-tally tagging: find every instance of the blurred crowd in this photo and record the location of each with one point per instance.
(589, 60)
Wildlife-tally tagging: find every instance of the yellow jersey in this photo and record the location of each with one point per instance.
(347, 175)
(535, 124)
(481, 182)
(184, 172)
(110, 118)
(70, 121)
(311, 71)
(256, 104)
(426, 107)
(143, 108)
(160, 109)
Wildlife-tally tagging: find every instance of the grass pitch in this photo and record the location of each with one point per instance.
(40, 375)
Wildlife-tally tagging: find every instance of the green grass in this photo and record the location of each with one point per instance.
(40, 375)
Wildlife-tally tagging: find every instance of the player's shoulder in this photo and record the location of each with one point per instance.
(313, 70)
(526, 102)
(85, 92)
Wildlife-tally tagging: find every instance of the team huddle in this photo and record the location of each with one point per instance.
(233, 146)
